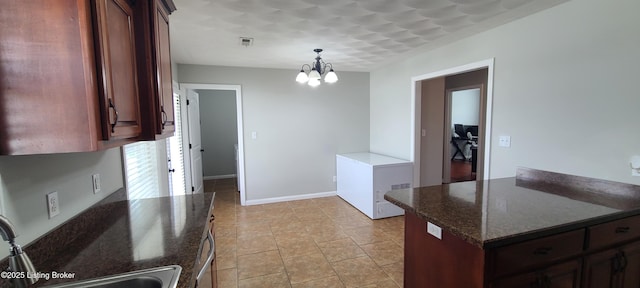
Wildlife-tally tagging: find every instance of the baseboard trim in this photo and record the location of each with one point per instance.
(219, 177)
(290, 198)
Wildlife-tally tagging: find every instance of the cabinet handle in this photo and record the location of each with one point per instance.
(212, 250)
(164, 116)
(112, 106)
(621, 230)
(619, 262)
(172, 170)
(623, 259)
(615, 264)
(542, 251)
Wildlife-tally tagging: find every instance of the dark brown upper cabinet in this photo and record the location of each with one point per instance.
(79, 76)
(155, 68)
(117, 72)
(67, 76)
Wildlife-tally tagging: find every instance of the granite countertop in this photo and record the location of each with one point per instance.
(118, 235)
(497, 212)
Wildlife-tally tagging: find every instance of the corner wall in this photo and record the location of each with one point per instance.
(564, 90)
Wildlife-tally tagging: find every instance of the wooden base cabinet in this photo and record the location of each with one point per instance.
(616, 268)
(564, 275)
(431, 262)
(601, 256)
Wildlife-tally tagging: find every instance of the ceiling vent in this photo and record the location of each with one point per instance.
(246, 41)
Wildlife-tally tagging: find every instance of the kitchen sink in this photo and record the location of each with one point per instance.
(159, 277)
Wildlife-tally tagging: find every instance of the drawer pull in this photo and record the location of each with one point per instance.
(542, 251)
(621, 230)
(619, 262)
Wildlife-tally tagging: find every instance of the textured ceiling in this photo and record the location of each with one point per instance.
(356, 35)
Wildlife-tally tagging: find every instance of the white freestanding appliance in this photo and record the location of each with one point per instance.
(363, 179)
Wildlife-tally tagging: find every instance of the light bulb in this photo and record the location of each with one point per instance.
(313, 82)
(314, 74)
(331, 77)
(302, 77)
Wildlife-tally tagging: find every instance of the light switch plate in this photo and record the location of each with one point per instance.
(505, 141)
(95, 179)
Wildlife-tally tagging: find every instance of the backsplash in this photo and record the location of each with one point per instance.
(25, 181)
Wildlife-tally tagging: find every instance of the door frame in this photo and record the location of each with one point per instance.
(448, 111)
(240, 125)
(416, 92)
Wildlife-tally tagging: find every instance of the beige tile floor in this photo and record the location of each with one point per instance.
(322, 242)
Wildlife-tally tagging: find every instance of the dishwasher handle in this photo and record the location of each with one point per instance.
(212, 251)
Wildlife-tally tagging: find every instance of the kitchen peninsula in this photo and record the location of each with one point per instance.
(538, 229)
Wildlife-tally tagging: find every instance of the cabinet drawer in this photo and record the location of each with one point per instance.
(531, 253)
(614, 232)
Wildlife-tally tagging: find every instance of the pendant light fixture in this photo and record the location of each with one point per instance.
(316, 70)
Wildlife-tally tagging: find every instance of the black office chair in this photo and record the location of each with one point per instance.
(459, 129)
(460, 134)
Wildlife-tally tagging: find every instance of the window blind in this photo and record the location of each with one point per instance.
(141, 166)
(176, 153)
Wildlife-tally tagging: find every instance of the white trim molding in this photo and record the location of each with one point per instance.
(291, 198)
(241, 167)
(215, 177)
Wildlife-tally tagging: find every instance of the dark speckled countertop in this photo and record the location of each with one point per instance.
(117, 236)
(501, 211)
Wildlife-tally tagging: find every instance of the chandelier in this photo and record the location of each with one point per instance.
(316, 70)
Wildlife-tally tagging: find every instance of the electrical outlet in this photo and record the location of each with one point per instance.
(434, 230)
(53, 204)
(95, 179)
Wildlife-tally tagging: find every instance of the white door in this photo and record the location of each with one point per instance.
(195, 142)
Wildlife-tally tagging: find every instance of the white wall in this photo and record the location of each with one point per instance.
(218, 123)
(299, 128)
(25, 180)
(465, 107)
(564, 90)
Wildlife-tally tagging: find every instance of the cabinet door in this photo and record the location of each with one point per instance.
(563, 275)
(48, 91)
(163, 70)
(631, 266)
(117, 72)
(599, 269)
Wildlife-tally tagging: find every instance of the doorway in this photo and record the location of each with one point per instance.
(240, 173)
(431, 139)
(462, 119)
